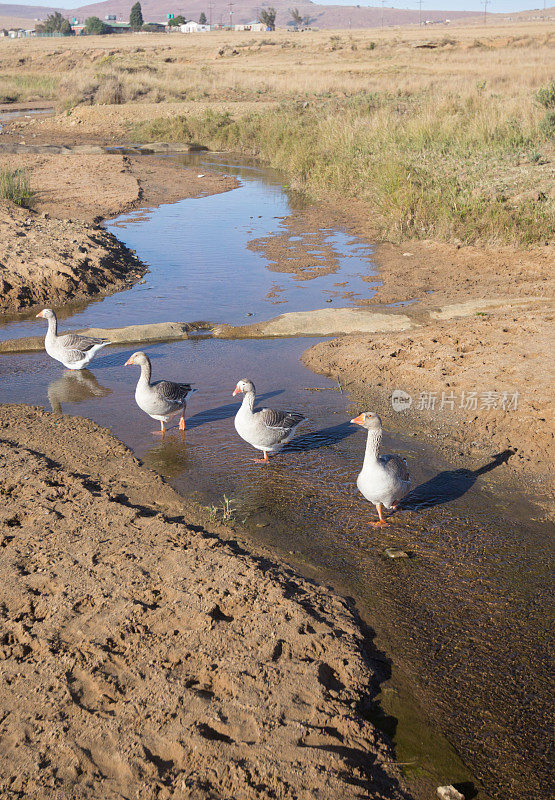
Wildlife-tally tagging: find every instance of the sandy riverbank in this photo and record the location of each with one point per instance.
(56, 252)
(143, 650)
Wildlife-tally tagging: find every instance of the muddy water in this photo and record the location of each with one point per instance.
(463, 618)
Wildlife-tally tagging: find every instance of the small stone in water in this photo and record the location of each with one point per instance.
(200, 176)
(449, 793)
(249, 313)
(391, 552)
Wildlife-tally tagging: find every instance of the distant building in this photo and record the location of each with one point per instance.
(193, 27)
(252, 26)
(78, 28)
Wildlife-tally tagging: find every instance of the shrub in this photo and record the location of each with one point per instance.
(545, 96)
(14, 186)
(94, 25)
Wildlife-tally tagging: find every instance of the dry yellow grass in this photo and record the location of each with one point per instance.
(439, 131)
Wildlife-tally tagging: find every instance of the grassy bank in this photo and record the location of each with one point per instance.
(463, 166)
(438, 133)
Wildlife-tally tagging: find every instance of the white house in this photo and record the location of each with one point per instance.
(193, 27)
(251, 26)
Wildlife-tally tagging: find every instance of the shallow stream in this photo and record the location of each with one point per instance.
(461, 622)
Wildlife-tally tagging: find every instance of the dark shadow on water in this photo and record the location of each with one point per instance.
(222, 412)
(322, 438)
(449, 485)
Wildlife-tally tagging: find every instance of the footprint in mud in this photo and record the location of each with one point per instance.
(88, 694)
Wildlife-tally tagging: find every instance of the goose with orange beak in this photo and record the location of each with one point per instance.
(161, 400)
(265, 429)
(384, 479)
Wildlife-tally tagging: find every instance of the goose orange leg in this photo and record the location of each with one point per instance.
(162, 430)
(182, 421)
(382, 520)
(264, 460)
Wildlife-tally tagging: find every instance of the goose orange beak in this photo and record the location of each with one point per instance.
(358, 420)
(237, 391)
(129, 361)
(40, 314)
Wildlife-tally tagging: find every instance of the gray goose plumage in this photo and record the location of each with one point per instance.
(161, 400)
(265, 429)
(383, 480)
(72, 349)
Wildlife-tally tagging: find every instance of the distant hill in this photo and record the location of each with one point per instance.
(243, 11)
(247, 10)
(320, 16)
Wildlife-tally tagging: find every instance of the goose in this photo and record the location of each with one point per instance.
(162, 399)
(383, 480)
(72, 349)
(265, 429)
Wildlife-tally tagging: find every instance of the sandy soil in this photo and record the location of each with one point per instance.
(144, 654)
(48, 261)
(50, 254)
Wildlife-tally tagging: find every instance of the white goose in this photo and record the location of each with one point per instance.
(265, 429)
(161, 400)
(72, 349)
(383, 480)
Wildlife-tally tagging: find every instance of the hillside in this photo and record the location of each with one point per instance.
(320, 16)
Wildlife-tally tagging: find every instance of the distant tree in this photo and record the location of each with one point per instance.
(55, 23)
(179, 20)
(136, 17)
(267, 17)
(202, 19)
(296, 17)
(94, 25)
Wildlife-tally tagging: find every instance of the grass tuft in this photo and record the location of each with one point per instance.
(14, 186)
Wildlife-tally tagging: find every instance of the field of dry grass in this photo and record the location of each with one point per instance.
(441, 133)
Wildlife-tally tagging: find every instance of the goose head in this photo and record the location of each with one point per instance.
(368, 420)
(244, 386)
(139, 358)
(46, 313)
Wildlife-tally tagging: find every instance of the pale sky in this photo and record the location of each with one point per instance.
(494, 6)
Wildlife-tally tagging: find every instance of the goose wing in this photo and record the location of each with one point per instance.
(396, 466)
(172, 392)
(280, 420)
(76, 346)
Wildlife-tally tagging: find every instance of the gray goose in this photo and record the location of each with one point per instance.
(160, 400)
(383, 480)
(265, 429)
(72, 349)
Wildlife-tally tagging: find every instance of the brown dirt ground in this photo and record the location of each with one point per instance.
(503, 349)
(47, 261)
(50, 255)
(147, 655)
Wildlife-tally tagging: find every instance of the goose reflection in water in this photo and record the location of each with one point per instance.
(74, 386)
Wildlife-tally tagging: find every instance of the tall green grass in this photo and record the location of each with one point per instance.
(15, 186)
(424, 165)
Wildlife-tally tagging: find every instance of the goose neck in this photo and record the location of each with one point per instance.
(146, 372)
(373, 441)
(52, 326)
(248, 401)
